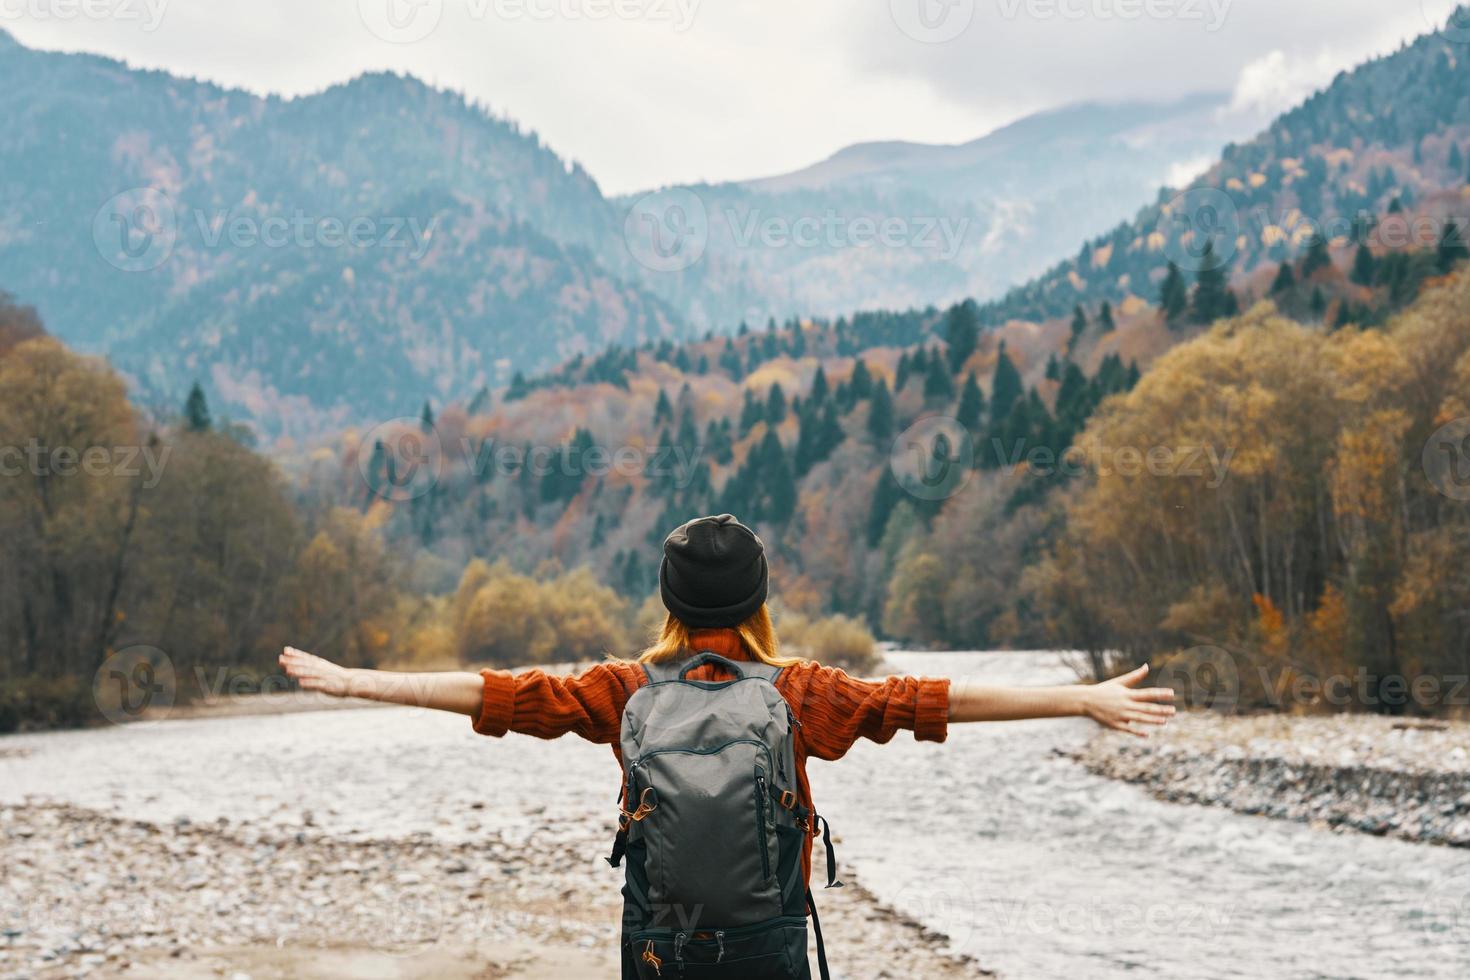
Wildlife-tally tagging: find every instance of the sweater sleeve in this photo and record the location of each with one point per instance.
(835, 709)
(589, 704)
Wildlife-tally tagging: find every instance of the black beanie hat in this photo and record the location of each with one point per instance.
(713, 573)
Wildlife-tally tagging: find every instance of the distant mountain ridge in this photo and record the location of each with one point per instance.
(1008, 202)
(193, 232)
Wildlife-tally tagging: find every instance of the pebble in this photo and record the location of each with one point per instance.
(1385, 777)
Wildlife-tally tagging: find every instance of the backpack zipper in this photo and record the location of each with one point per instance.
(760, 821)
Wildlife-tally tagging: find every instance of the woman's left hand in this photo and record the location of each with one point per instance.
(1119, 703)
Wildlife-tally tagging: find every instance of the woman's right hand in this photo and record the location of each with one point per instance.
(315, 674)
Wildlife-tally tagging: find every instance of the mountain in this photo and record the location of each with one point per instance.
(826, 433)
(330, 257)
(969, 220)
(1379, 156)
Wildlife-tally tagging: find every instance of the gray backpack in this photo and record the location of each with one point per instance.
(712, 828)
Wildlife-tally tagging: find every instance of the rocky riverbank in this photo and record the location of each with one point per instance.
(87, 894)
(1352, 773)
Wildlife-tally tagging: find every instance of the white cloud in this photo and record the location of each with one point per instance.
(740, 88)
(1275, 81)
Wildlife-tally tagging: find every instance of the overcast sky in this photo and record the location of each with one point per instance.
(651, 92)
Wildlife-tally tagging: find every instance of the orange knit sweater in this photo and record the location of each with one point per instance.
(834, 709)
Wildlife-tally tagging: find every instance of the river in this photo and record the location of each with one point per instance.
(1021, 858)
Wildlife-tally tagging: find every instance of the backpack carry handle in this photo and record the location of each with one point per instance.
(708, 657)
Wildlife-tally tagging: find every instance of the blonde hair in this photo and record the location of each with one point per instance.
(757, 632)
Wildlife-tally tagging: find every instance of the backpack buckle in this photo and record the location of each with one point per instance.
(788, 799)
(644, 807)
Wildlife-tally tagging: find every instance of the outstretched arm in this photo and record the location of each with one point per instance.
(1117, 703)
(455, 690)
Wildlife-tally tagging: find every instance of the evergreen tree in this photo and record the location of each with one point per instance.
(1105, 318)
(1319, 302)
(518, 388)
(1053, 367)
(962, 333)
(196, 411)
(775, 405)
(901, 373)
(1285, 280)
(880, 415)
(972, 404)
(1230, 306)
(1079, 327)
(426, 418)
(1317, 257)
(937, 382)
(750, 413)
(1005, 387)
(1363, 266)
(1210, 290)
(861, 382)
(663, 411)
(480, 404)
(819, 389)
(777, 480)
(1452, 247)
(1173, 294)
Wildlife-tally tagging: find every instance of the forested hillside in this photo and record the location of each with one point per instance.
(1387, 138)
(316, 261)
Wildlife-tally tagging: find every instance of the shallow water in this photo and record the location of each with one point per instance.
(1024, 860)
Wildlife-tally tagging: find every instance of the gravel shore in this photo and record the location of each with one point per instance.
(1353, 773)
(87, 894)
